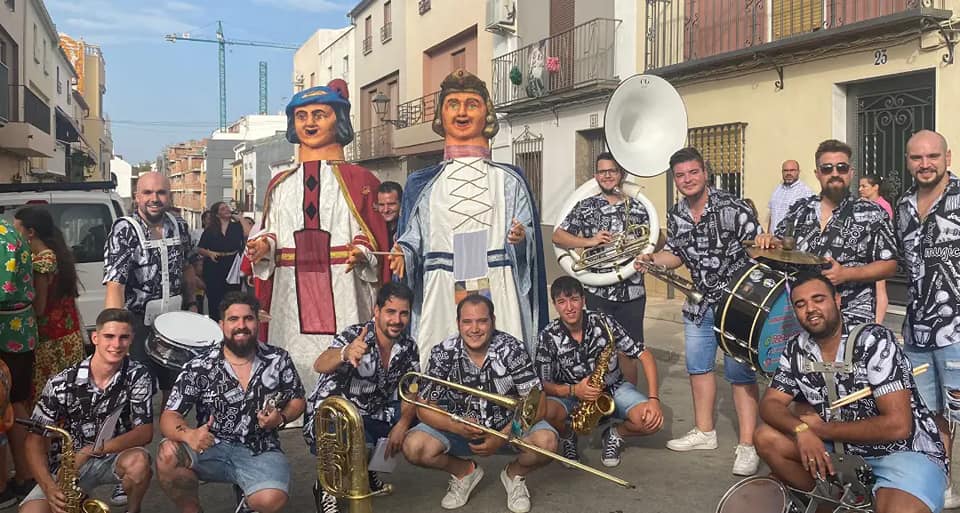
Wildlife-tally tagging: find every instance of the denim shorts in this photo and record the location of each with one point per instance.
(913, 473)
(625, 398)
(944, 373)
(93, 473)
(456, 445)
(701, 353)
(230, 463)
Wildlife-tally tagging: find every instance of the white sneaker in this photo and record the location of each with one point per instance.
(950, 499)
(747, 461)
(518, 497)
(458, 491)
(694, 440)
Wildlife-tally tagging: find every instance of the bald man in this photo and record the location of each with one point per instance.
(928, 230)
(786, 193)
(144, 265)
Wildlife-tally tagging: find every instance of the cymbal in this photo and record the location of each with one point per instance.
(786, 256)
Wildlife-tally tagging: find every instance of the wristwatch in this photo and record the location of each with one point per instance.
(800, 428)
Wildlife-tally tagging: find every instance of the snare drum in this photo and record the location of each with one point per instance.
(755, 319)
(758, 494)
(179, 337)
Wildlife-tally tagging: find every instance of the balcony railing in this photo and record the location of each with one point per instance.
(421, 110)
(386, 32)
(582, 56)
(680, 31)
(35, 111)
(4, 98)
(367, 44)
(374, 143)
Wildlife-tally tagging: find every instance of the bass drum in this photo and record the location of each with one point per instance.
(614, 273)
(758, 494)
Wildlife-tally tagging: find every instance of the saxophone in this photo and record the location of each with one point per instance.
(588, 413)
(67, 475)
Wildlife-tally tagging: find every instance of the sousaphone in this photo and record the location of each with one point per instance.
(644, 124)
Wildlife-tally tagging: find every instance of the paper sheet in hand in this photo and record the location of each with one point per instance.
(379, 462)
(108, 429)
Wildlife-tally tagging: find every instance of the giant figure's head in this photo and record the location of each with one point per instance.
(318, 119)
(466, 116)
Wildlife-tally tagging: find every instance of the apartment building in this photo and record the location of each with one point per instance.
(88, 61)
(183, 164)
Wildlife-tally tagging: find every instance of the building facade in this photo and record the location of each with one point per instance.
(91, 68)
(183, 164)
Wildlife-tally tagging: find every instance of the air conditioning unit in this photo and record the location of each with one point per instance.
(502, 15)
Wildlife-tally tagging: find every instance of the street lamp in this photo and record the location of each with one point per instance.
(381, 103)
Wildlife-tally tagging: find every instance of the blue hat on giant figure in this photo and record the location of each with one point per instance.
(334, 94)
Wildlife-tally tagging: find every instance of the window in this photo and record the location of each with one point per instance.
(386, 31)
(59, 84)
(36, 45)
(386, 12)
(346, 66)
(459, 59)
(84, 227)
(227, 168)
(722, 147)
(367, 37)
(45, 71)
(528, 156)
(313, 79)
(793, 17)
(3, 52)
(227, 194)
(11, 4)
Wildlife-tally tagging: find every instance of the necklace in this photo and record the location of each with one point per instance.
(244, 364)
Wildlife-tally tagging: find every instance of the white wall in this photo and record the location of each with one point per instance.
(123, 170)
(253, 127)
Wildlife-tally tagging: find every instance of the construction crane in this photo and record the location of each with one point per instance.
(222, 42)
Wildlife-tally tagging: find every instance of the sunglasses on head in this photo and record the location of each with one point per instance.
(841, 167)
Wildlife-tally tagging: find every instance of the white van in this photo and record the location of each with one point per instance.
(84, 211)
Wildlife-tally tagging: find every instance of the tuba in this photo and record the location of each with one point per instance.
(67, 475)
(645, 122)
(342, 454)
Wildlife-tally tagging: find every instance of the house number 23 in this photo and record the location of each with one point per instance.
(880, 57)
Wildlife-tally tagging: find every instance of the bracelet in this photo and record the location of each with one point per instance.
(569, 390)
(343, 354)
(655, 397)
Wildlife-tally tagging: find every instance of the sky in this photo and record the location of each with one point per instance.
(160, 93)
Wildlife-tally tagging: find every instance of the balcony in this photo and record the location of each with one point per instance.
(4, 98)
(386, 32)
(572, 65)
(367, 44)
(373, 143)
(696, 36)
(421, 110)
(28, 130)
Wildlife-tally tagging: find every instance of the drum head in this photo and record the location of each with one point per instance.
(781, 325)
(188, 329)
(759, 494)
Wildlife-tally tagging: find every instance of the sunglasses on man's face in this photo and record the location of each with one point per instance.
(841, 167)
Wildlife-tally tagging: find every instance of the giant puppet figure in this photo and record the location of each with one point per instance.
(470, 225)
(319, 228)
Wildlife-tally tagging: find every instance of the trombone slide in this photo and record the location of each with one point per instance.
(866, 391)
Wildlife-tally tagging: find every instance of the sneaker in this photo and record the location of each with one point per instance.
(612, 445)
(694, 440)
(8, 498)
(950, 499)
(324, 502)
(119, 497)
(518, 497)
(568, 447)
(458, 491)
(376, 484)
(747, 461)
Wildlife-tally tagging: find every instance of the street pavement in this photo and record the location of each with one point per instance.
(666, 481)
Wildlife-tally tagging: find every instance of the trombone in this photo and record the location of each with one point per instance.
(525, 413)
(671, 278)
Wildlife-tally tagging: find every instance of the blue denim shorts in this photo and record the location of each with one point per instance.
(701, 353)
(913, 473)
(231, 463)
(456, 445)
(944, 373)
(625, 398)
(93, 473)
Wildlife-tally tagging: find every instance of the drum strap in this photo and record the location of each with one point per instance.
(830, 369)
(159, 244)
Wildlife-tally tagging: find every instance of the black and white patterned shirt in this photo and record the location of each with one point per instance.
(878, 363)
(713, 248)
(595, 214)
(931, 255)
(858, 233)
(507, 370)
(127, 263)
(564, 361)
(209, 383)
(370, 387)
(72, 400)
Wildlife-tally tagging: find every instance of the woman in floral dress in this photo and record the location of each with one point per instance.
(55, 279)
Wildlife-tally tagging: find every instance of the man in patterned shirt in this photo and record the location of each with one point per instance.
(82, 399)
(705, 232)
(853, 234)
(567, 357)
(891, 429)
(597, 220)
(928, 231)
(244, 392)
(482, 358)
(364, 364)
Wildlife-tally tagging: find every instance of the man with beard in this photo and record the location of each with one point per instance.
(364, 365)
(245, 392)
(389, 196)
(482, 358)
(786, 193)
(597, 220)
(928, 231)
(854, 234)
(891, 429)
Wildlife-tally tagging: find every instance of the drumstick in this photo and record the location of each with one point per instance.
(866, 391)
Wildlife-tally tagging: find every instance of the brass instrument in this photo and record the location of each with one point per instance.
(625, 246)
(588, 413)
(342, 454)
(67, 475)
(525, 412)
(866, 391)
(671, 278)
